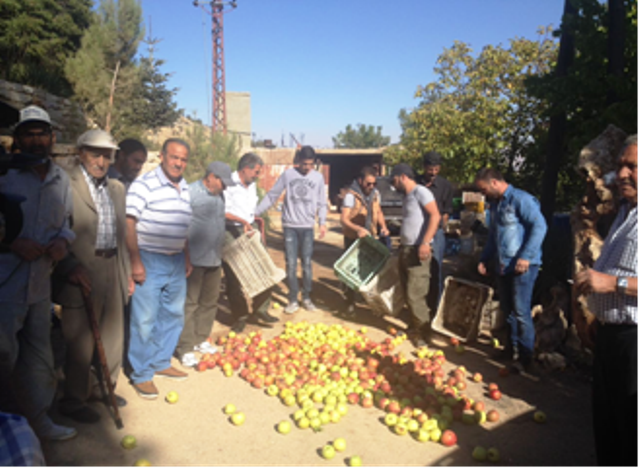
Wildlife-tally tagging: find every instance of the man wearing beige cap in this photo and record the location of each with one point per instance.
(26, 359)
(97, 268)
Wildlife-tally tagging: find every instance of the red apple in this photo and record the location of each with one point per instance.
(493, 416)
(495, 394)
(448, 438)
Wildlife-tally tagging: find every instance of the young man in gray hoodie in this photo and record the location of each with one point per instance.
(305, 199)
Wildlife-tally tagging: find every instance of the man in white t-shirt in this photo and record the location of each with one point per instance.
(420, 220)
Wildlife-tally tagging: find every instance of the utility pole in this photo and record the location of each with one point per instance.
(219, 102)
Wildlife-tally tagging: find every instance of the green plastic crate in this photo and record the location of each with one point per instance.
(361, 262)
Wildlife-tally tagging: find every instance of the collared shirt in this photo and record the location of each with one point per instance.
(106, 233)
(206, 233)
(47, 212)
(19, 445)
(619, 257)
(113, 173)
(241, 201)
(516, 231)
(443, 193)
(162, 211)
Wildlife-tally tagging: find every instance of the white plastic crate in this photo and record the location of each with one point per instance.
(461, 307)
(251, 263)
(383, 292)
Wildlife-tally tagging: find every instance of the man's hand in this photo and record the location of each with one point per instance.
(131, 286)
(27, 249)
(188, 267)
(522, 266)
(57, 249)
(361, 232)
(323, 231)
(384, 231)
(591, 281)
(138, 272)
(80, 276)
(424, 251)
(482, 269)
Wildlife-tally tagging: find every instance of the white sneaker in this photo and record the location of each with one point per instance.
(53, 432)
(292, 307)
(308, 305)
(206, 347)
(189, 360)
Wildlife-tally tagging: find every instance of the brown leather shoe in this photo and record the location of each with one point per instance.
(172, 373)
(146, 390)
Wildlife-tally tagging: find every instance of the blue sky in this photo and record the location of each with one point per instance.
(312, 66)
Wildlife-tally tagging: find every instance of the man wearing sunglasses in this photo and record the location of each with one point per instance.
(360, 216)
(206, 239)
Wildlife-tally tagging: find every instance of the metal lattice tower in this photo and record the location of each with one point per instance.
(219, 101)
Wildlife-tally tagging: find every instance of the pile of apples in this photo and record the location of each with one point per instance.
(323, 369)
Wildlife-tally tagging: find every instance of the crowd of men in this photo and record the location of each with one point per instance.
(143, 255)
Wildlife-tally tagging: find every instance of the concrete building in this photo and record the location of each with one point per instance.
(239, 116)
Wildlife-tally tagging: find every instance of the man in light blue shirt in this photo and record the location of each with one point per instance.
(206, 239)
(26, 358)
(516, 232)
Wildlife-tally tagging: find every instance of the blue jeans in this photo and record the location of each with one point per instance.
(515, 301)
(157, 314)
(298, 241)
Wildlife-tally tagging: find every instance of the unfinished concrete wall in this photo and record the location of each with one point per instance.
(239, 116)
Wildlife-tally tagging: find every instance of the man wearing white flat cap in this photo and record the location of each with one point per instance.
(98, 266)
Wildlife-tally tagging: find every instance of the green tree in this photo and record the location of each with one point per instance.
(206, 148)
(590, 93)
(478, 111)
(37, 37)
(154, 103)
(105, 75)
(363, 136)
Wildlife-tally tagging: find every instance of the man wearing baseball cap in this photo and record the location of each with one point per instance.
(26, 359)
(420, 219)
(206, 238)
(97, 270)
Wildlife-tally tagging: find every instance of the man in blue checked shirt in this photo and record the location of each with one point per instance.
(516, 232)
(158, 218)
(612, 286)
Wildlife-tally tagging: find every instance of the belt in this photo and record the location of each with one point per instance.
(106, 253)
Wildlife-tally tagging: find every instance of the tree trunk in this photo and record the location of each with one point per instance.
(615, 47)
(558, 122)
(112, 92)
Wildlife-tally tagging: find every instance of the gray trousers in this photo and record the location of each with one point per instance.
(201, 307)
(80, 382)
(26, 360)
(415, 277)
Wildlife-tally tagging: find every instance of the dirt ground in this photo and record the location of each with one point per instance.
(195, 431)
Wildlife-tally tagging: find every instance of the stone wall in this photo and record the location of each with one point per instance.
(67, 117)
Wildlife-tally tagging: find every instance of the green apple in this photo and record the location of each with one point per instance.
(355, 461)
(493, 454)
(238, 418)
(423, 435)
(391, 420)
(229, 409)
(328, 452)
(479, 453)
(304, 423)
(142, 462)
(435, 434)
(284, 427)
(171, 397)
(340, 444)
(129, 442)
(540, 416)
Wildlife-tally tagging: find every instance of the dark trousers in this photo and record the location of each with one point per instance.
(415, 278)
(201, 306)
(615, 395)
(233, 288)
(349, 294)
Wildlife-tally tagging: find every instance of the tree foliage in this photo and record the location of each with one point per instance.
(206, 148)
(478, 111)
(37, 37)
(154, 103)
(363, 136)
(583, 93)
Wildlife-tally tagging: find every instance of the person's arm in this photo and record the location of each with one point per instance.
(322, 209)
(58, 247)
(490, 248)
(138, 272)
(272, 196)
(236, 219)
(535, 229)
(187, 259)
(345, 221)
(434, 221)
(384, 231)
(591, 281)
(447, 204)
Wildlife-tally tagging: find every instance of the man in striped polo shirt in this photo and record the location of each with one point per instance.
(158, 218)
(612, 286)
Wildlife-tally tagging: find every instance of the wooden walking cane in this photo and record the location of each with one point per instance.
(106, 375)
